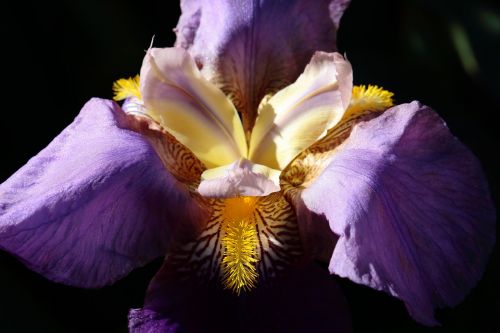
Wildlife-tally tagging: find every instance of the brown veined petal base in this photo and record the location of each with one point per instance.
(367, 102)
(176, 158)
(246, 241)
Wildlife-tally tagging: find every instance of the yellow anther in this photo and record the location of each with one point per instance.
(125, 88)
(371, 98)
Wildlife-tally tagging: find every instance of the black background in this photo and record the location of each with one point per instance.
(58, 55)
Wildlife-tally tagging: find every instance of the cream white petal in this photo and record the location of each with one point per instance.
(191, 108)
(301, 114)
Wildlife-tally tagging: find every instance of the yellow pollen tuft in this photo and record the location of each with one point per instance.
(371, 98)
(239, 244)
(125, 88)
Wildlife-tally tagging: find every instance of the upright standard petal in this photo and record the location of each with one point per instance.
(303, 112)
(254, 48)
(190, 108)
(412, 209)
(94, 204)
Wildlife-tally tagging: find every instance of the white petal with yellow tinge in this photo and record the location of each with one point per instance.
(300, 114)
(189, 107)
(241, 178)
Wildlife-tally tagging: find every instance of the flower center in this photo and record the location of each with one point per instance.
(253, 228)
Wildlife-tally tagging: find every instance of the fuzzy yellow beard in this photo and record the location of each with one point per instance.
(239, 244)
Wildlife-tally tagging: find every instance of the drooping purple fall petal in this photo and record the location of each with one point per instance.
(94, 204)
(305, 299)
(252, 48)
(412, 208)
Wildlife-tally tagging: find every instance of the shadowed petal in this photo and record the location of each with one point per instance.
(317, 238)
(412, 208)
(94, 204)
(178, 303)
(254, 48)
(149, 321)
(304, 299)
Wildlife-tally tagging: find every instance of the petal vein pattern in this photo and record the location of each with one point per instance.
(271, 244)
(189, 107)
(95, 204)
(366, 103)
(256, 48)
(412, 209)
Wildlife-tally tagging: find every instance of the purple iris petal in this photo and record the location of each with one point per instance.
(305, 299)
(176, 303)
(251, 48)
(94, 204)
(412, 208)
(149, 321)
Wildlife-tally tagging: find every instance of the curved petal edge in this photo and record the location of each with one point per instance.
(412, 208)
(94, 204)
(254, 48)
(304, 299)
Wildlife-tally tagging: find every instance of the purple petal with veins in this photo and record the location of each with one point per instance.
(251, 48)
(412, 208)
(93, 205)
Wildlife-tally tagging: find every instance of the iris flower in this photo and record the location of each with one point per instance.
(246, 155)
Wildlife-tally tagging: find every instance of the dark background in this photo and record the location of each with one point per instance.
(58, 55)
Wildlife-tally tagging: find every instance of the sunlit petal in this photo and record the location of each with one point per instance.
(254, 48)
(193, 110)
(366, 103)
(95, 204)
(176, 158)
(302, 113)
(412, 208)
